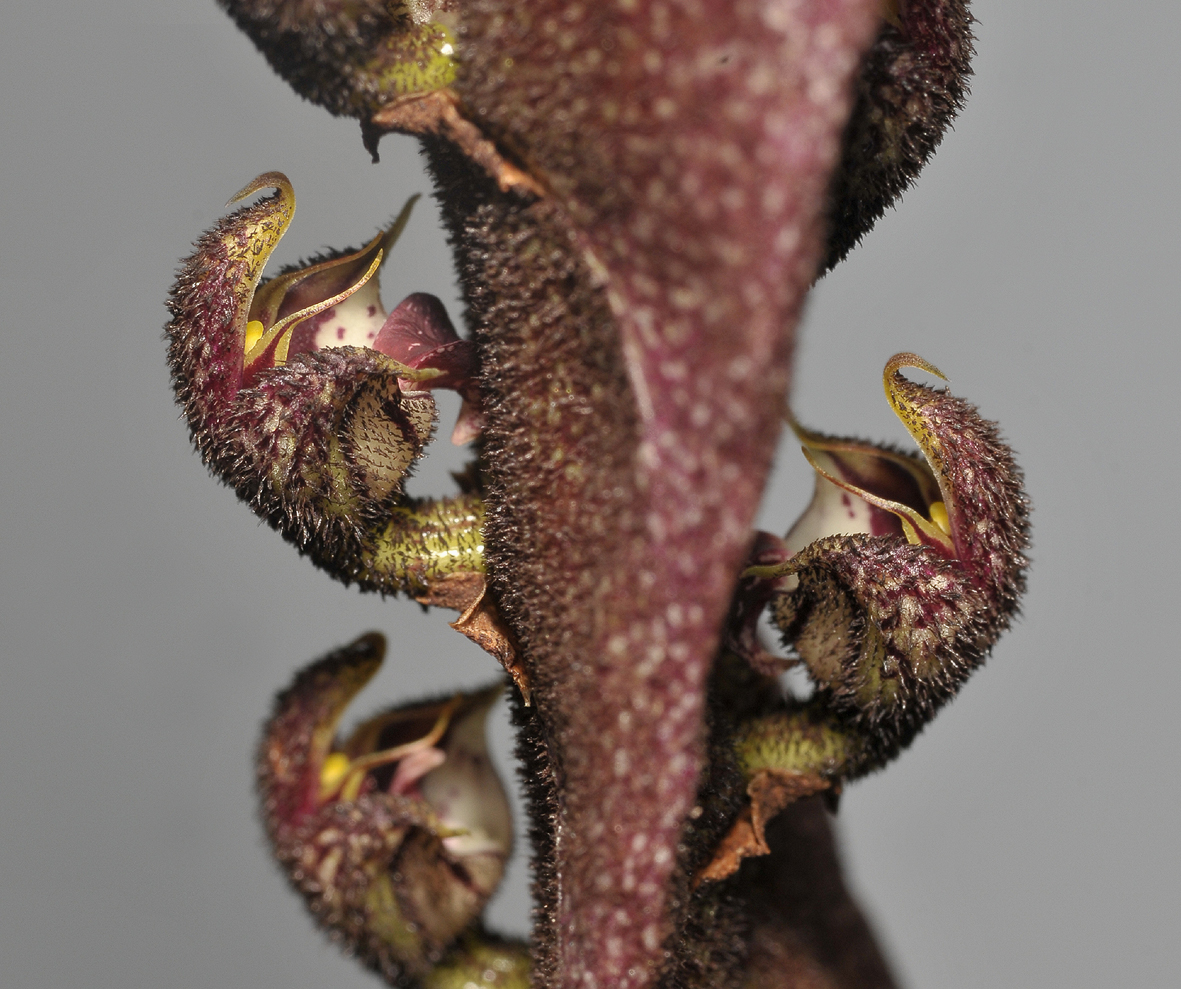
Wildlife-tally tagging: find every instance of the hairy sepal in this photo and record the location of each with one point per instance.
(395, 836)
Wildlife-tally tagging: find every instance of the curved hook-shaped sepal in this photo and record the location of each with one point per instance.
(397, 836)
(210, 303)
(985, 509)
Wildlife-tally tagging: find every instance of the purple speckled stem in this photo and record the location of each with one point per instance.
(690, 146)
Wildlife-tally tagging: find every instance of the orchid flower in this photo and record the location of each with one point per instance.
(397, 835)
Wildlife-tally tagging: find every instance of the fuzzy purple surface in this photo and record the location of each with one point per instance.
(688, 148)
(204, 353)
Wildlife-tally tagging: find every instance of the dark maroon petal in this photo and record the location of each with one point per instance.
(755, 591)
(417, 326)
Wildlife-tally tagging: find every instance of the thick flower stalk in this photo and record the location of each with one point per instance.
(639, 195)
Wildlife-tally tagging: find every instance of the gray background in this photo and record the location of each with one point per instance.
(1029, 837)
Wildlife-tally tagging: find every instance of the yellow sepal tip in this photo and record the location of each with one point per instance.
(268, 180)
(907, 359)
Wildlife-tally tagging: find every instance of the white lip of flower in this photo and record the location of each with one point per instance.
(290, 313)
(448, 767)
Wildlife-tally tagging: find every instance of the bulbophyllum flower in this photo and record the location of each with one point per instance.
(395, 836)
(310, 400)
(908, 568)
(890, 589)
(901, 573)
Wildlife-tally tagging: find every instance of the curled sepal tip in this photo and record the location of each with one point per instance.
(395, 836)
(269, 180)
